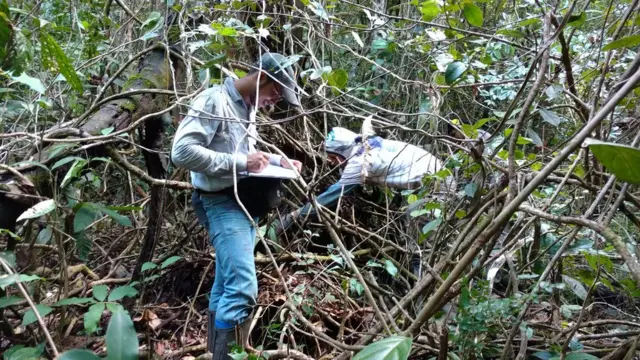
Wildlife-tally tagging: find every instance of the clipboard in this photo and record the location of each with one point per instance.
(272, 171)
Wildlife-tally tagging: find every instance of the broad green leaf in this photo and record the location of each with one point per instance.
(92, 317)
(6, 280)
(73, 172)
(620, 160)
(121, 219)
(575, 286)
(473, 14)
(78, 354)
(53, 51)
(431, 225)
(170, 261)
(39, 209)
(391, 348)
(29, 316)
(74, 301)
(148, 265)
(64, 161)
(516, 34)
(34, 163)
(9, 257)
(429, 10)
(470, 189)
(550, 117)
(85, 215)
(379, 44)
(100, 292)
(454, 71)
(33, 83)
(24, 353)
(84, 244)
(9, 301)
(577, 20)
(122, 291)
(390, 267)
(121, 338)
(625, 42)
(107, 131)
(338, 78)
(44, 236)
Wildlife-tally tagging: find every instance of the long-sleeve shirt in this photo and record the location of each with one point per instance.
(217, 133)
(391, 163)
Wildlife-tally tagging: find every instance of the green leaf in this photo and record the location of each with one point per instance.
(473, 14)
(170, 261)
(44, 236)
(577, 20)
(53, 51)
(620, 160)
(73, 301)
(550, 117)
(121, 219)
(391, 348)
(100, 292)
(454, 71)
(470, 189)
(228, 31)
(6, 280)
(78, 354)
(575, 286)
(338, 78)
(9, 301)
(73, 172)
(121, 338)
(625, 42)
(29, 316)
(390, 267)
(516, 34)
(92, 317)
(33, 83)
(379, 44)
(64, 161)
(85, 215)
(429, 10)
(580, 356)
(24, 353)
(431, 225)
(9, 257)
(84, 244)
(39, 209)
(122, 291)
(147, 266)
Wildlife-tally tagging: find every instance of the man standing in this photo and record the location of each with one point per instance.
(216, 139)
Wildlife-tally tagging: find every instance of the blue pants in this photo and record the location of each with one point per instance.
(235, 286)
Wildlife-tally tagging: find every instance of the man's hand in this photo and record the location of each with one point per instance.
(285, 164)
(257, 162)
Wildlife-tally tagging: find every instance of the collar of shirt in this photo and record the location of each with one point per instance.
(234, 94)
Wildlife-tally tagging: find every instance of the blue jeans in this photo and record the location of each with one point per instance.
(235, 285)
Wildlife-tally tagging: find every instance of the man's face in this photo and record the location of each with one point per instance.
(269, 94)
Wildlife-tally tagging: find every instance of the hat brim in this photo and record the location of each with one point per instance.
(290, 96)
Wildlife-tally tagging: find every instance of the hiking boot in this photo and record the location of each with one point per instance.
(223, 338)
(211, 327)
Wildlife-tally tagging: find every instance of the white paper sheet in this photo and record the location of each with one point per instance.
(272, 171)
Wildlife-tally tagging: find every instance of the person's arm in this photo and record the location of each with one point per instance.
(190, 144)
(328, 198)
